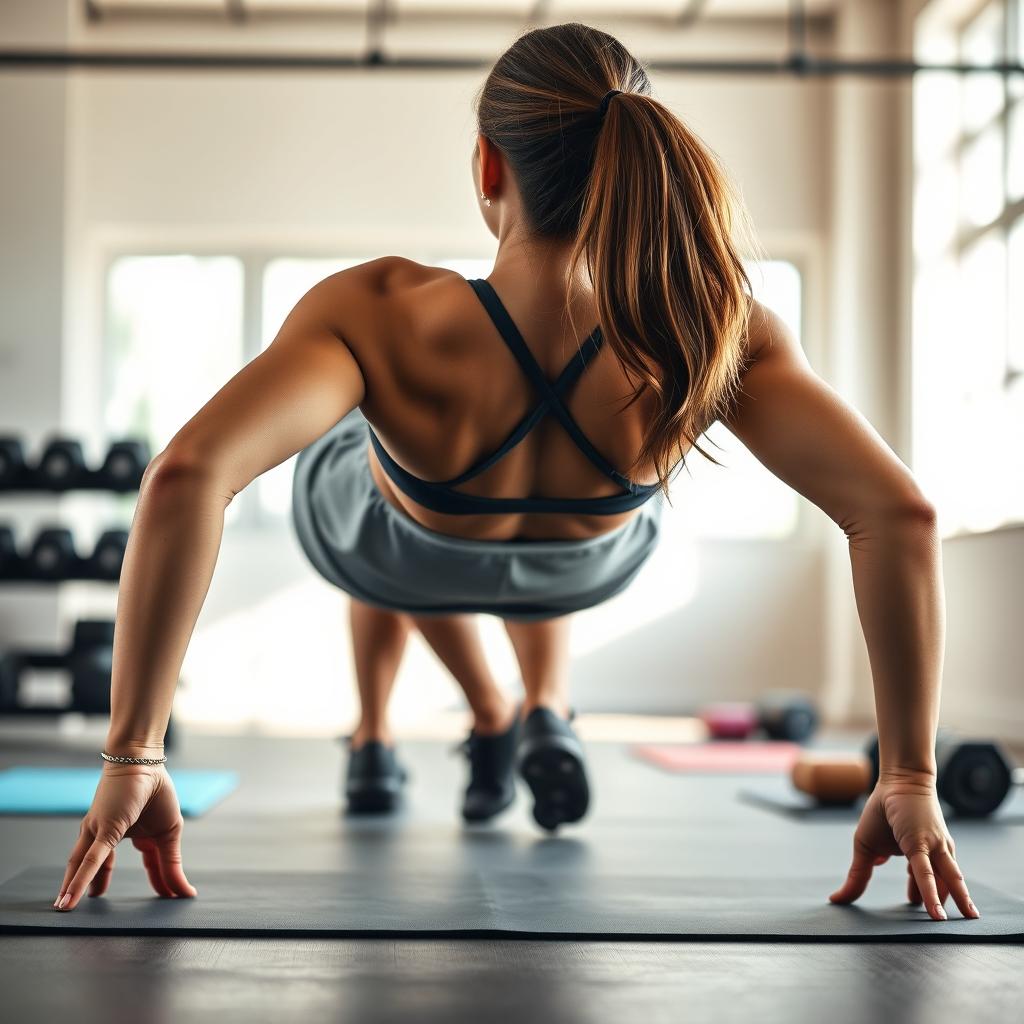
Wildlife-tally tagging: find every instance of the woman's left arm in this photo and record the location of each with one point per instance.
(806, 434)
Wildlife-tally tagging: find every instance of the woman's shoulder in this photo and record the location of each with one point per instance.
(387, 277)
(765, 330)
(395, 315)
(387, 296)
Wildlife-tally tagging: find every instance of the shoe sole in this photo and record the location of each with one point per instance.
(554, 769)
(375, 797)
(476, 819)
(372, 802)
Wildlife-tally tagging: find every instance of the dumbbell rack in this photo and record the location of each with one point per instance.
(53, 561)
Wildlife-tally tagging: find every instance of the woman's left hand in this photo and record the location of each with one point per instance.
(134, 801)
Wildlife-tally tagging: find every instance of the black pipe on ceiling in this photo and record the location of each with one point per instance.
(796, 64)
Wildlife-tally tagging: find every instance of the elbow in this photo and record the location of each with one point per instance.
(905, 510)
(174, 466)
(914, 509)
(174, 477)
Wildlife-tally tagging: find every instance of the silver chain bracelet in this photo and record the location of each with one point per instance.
(123, 759)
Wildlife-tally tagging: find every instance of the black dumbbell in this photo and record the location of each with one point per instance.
(90, 661)
(92, 633)
(10, 560)
(53, 555)
(10, 675)
(90, 679)
(12, 462)
(124, 464)
(108, 555)
(61, 466)
(973, 776)
(787, 715)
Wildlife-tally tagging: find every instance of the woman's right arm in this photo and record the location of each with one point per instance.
(283, 400)
(808, 436)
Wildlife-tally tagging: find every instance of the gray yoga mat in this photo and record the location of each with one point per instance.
(481, 902)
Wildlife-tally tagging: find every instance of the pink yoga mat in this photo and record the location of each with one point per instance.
(722, 757)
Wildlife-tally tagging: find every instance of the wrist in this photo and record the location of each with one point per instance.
(917, 775)
(132, 748)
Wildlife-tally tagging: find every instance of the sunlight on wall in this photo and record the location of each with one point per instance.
(666, 583)
(284, 666)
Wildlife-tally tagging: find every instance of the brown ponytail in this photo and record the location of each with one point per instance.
(651, 213)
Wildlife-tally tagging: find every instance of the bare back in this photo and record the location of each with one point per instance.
(442, 389)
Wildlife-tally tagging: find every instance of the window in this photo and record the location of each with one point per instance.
(174, 336)
(968, 334)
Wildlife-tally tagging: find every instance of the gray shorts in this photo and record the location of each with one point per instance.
(361, 543)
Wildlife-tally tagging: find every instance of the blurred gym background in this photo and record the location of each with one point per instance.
(157, 222)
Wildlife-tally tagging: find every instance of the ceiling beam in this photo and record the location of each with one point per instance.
(796, 64)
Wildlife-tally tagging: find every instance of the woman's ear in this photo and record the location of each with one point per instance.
(490, 166)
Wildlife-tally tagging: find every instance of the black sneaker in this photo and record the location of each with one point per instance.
(551, 762)
(374, 779)
(491, 773)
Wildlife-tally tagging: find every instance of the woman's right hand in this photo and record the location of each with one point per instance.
(902, 816)
(134, 801)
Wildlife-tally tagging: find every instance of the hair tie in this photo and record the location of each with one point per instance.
(605, 100)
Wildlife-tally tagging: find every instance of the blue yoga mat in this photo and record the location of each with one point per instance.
(28, 790)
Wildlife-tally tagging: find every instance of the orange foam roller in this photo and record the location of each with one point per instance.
(832, 778)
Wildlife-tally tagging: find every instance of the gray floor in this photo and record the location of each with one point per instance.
(285, 816)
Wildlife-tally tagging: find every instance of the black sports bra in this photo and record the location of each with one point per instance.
(440, 496)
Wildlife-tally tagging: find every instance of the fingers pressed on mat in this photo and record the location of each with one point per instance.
(77, 853)
(152, 865)
(913, 894)
(924, 875)
(101, 882)
(90, 864)
(953, 878)
(168, 851)
(857, 878)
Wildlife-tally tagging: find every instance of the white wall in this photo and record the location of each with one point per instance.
(32, 249)
(983, 684)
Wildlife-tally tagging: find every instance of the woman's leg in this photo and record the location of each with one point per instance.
(378, 643)
(542, 650)
(550, 757)
(455, 639)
